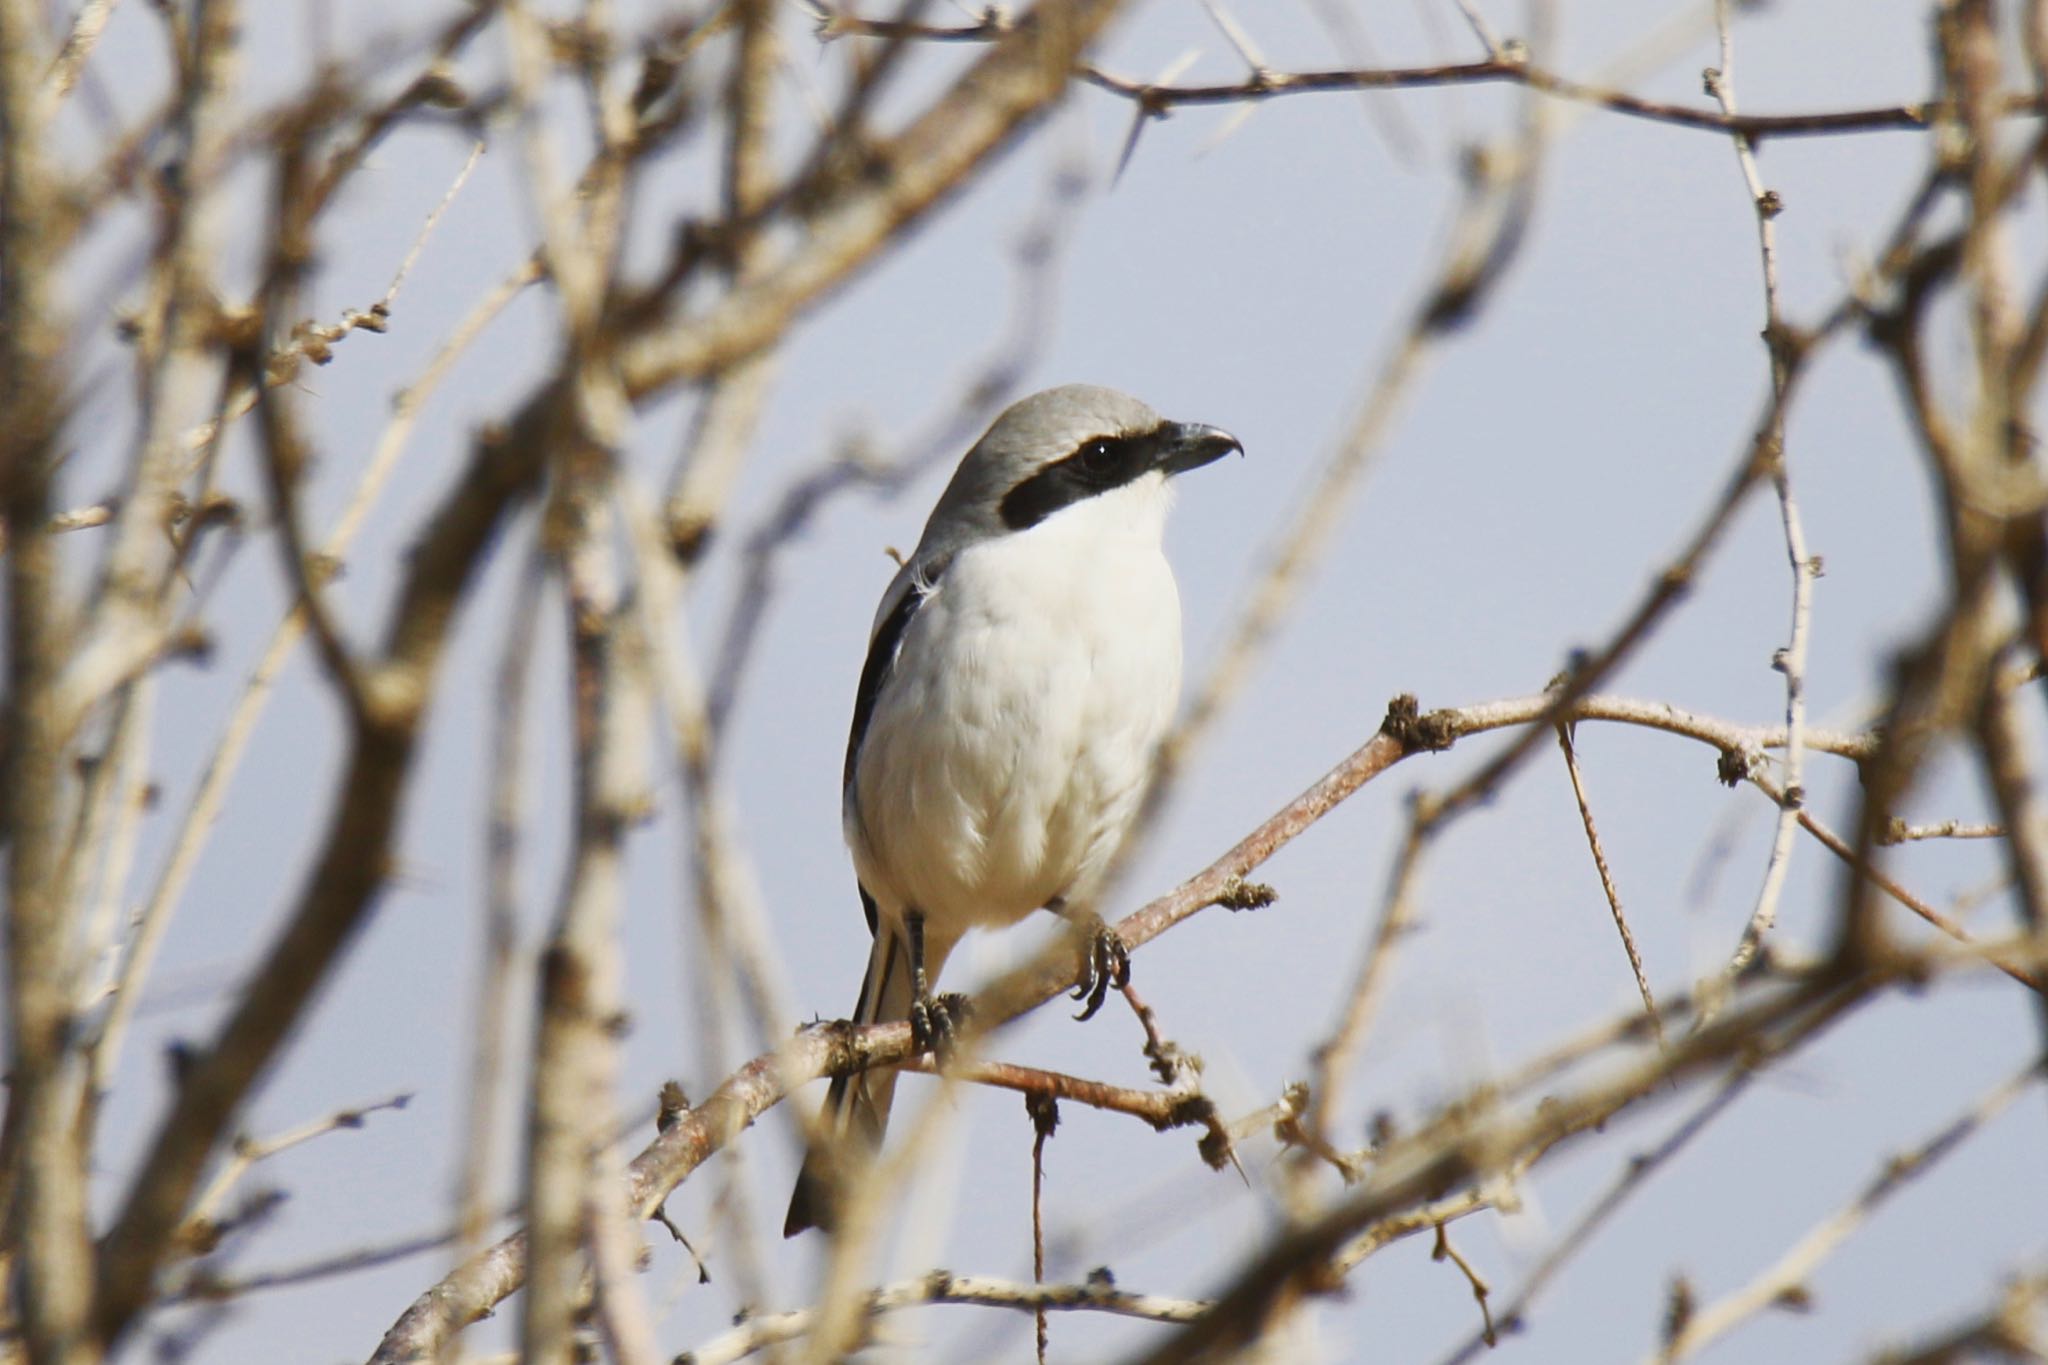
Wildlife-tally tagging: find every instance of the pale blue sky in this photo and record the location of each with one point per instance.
(1547, 465)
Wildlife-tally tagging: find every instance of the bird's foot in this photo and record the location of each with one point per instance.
(936, 1022)
(1107, 964)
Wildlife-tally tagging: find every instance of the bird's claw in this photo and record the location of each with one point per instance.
(1108, 964)
(936, 1021)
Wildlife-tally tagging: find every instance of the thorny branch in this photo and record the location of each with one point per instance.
(1791, 660)
(830, 1049)
(1157, 100)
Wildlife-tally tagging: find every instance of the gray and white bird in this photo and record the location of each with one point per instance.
(1023, 667)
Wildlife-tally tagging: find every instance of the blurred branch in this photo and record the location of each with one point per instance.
(1899, 832)
(86, 26)
(572, 1199)
(2014, 1328)
(44, 1152)
(285, 458)
(1632, 1175)
(1785, 1282)
(347, 872)
(1336, 1055)
(758, 1333)
(1483, 242)
(1981, 455)
(77, 519)
(733, 963)
(887, 473)
(1465, 1147)
(2015, 784)
(905, 177)
(504, 841)
(180, 363)
(203, 809)
(246, 1153)
(726, 417)
(207, 1285)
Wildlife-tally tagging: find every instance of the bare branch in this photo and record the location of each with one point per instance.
(759, 1333)
(1443, 1250)
(1785, 1281)
(1791, 660)
(1462, 1147)
(1632, 1176)
(1157, 98)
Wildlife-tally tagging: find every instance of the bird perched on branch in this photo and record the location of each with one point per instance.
(1023, 667)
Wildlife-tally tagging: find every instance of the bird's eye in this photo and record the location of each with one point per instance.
(1098, 455)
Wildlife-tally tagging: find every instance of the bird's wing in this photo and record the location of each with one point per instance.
(913, 586)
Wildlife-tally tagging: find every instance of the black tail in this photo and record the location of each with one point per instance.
(856, 1108)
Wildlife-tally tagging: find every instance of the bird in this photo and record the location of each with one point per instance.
(1022, 669)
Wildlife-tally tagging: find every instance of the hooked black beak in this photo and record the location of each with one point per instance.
(1190, 445)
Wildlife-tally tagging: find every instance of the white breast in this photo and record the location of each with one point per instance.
(1008, 752)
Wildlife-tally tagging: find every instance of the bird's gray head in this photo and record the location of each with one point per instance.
(1058, 448)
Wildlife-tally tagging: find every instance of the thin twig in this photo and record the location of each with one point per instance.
(1045, 1117)
(1162, 1109)
(1443, 1250)
(1481, 29)
(1884, 882)
(1791, 660)
(1607, 886)
(247, 1153)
